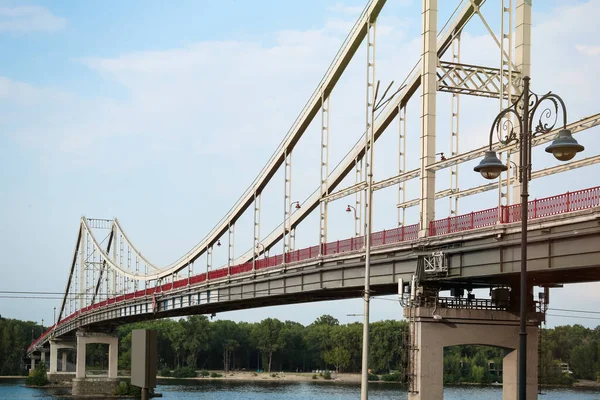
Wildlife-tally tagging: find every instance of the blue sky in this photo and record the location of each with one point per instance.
(162, 113)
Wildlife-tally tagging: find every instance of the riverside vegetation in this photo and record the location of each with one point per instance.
(196, 343)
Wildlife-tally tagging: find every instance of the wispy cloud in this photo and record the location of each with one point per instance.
(22, 19)
(588, 50)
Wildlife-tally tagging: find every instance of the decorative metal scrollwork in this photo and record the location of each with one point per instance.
(548, 117)
(508, 131)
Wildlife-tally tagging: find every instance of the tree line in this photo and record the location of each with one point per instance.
(15, 336)
(269, 345)
(195, 342)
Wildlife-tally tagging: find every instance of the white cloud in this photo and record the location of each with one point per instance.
(23, 19)
(588, 50)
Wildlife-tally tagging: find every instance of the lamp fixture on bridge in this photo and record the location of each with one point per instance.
(490, 167)
(219, 243)
(564, 147)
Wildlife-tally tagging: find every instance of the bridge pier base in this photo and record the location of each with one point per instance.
(429, 336)
(102, 386)
(32, 358)
(54, 375)
(55, 346)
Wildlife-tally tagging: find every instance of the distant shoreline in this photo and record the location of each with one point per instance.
(275, 377)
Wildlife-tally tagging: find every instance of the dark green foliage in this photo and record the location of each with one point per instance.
(195, 343)
(216, 375)
(472, 364)
(327, 375)
(39, 377)
(373, 377)
(184, 372)
(393, 377)
(577, 346)
(15, 336)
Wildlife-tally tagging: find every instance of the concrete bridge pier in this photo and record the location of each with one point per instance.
(35, 359)
(96, 386)
(433, 329)
(54, 375)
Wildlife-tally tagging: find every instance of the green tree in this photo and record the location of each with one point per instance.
(196, 331)
(177, 337)
(385, 350)
(318, 338)
(224, 335)
(268, 338)
(339, 357)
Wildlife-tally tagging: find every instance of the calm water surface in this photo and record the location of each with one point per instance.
(207, 390)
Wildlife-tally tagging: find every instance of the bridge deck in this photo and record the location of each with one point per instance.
(481, 247)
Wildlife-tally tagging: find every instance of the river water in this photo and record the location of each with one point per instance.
(223, 390)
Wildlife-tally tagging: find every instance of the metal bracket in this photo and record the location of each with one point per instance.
(436, 263)
(475, 80)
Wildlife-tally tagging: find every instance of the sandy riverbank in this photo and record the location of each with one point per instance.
(279, 376)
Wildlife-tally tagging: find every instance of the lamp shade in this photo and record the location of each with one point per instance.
(564, 147)
(490, 167)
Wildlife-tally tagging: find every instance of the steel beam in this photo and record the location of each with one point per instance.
(429, 62)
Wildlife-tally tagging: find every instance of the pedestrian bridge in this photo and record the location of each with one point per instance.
(476, 249)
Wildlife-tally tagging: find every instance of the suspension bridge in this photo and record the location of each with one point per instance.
(111, 282)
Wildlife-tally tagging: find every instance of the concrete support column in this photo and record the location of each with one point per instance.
(429, 63)
(461, 327)
(53, 357)
(113, 357)
(43, 357)
(63, 366)
(32, 363)
(510, 369)
(55, 346)
(113, 352)
(80, 363)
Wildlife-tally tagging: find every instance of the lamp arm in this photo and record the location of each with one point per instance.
(549, 116)
(506, 125)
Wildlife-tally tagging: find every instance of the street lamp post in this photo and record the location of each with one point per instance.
(378, 103)
(564, 147)
(350, 209)
(289, 230)
(261, 248)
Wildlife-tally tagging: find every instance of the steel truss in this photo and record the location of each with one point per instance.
(475, 80)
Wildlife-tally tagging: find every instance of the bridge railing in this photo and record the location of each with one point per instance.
(538, 208)
(554, 205)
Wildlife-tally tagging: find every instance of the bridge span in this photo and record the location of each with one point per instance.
(475, 250)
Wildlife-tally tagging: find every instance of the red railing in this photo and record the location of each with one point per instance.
(563, 203)
(538, 208)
